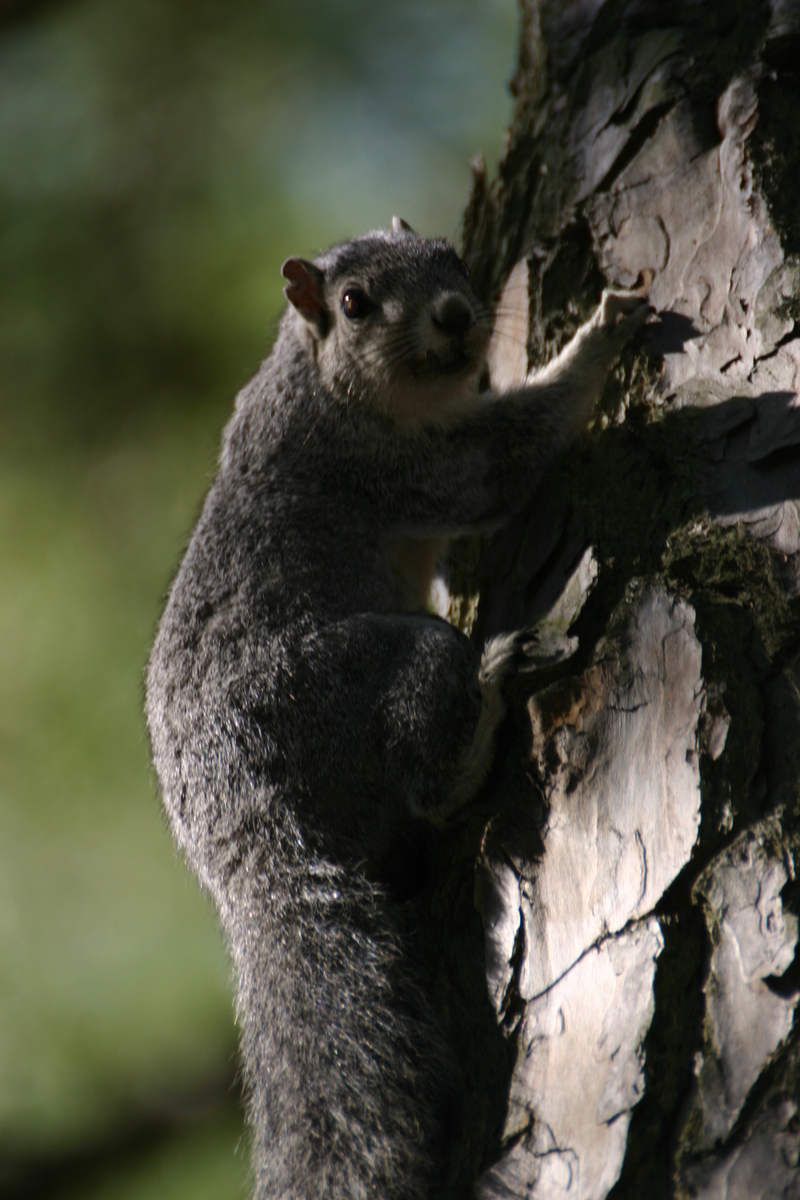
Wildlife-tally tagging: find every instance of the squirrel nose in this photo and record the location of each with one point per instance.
(452, 314)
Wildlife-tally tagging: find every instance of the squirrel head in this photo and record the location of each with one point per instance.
(392, 322)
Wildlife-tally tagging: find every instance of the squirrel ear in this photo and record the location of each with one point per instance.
(306, 291)
(401, 226)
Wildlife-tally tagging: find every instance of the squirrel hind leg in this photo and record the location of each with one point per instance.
(501, 657)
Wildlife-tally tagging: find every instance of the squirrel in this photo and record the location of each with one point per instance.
(311, 723)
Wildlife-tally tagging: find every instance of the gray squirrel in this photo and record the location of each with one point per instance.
(311, 723)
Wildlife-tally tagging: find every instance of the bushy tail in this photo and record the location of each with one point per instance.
(348, 1075)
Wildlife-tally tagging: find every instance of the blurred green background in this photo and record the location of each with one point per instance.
(158, 161)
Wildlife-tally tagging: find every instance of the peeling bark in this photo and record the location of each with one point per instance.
(753, 941)
(615, 758)
(635, 872)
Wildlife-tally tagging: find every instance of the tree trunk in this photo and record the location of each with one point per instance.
(634, 859)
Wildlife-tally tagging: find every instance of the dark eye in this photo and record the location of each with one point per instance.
(356, 304)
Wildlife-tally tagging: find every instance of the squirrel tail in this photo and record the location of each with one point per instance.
(350, 1085)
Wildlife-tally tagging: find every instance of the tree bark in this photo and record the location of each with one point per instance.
(634, 857)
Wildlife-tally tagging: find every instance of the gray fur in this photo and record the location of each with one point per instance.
(307, 728)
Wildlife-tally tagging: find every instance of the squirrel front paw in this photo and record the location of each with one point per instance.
(621, 314)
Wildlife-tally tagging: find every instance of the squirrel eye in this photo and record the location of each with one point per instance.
(355, 304)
